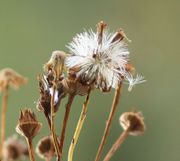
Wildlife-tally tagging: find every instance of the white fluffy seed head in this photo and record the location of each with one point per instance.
(103, 63)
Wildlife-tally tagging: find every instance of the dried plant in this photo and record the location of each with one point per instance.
(45, 148)
(133, 124)
(96, 60)
(14, 149)
(8, 78)
(28, 126)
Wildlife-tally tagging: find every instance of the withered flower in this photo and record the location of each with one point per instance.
(9, 77)
(45, 148)
(14, 149)
(28, 125)
(133, 122)
(44, 101)
(56, 63)
(101, 57)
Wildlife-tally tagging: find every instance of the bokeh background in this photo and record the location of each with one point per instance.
(31, 30)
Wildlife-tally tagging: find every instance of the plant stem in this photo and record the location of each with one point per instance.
(109, 121)
(55, 140)
(30, 148)
(3, 118)
(116, 145)
(66, 117)
(78, 128)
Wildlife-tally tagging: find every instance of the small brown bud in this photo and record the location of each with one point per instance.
(45, 148)
(134, 122)
(9, 77)
(28, 125)
(14, 149)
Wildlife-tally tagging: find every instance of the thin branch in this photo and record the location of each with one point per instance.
(55, 140)
(31, 150)
(66, 117)
(116, 145)
(109, 121)
(3, 118)
(78, 127)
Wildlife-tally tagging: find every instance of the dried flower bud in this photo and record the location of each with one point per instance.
(28, 126)
(8, 77)
(44, 101)
(56, 63)
(14, 149)
(134, 122)
(45, 148)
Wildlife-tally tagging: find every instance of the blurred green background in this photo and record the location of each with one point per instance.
(31, 30)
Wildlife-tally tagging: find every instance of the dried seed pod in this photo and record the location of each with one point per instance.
(14, 149)
(44, 101)
(9, 77)
(45, 148)
(133, 121)
(28, 125)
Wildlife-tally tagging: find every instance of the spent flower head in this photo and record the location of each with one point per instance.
(45, 148)
(133, 121)
(14, 149)
(101, 57)
(9, 77)
(28, 125)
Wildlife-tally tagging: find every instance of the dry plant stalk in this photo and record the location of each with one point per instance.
(116, 145)
(55, 67)
(133, 124)
(56, 143)
(79, 127)
(65, 120)
(8, 78)
(3, 118)
(31, 149)
(109, 121)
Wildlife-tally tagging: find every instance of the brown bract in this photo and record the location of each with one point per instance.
(45, 148)
(134, 122)
(72, 85)
(28, 125)
(9, 77)
(14, 149)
